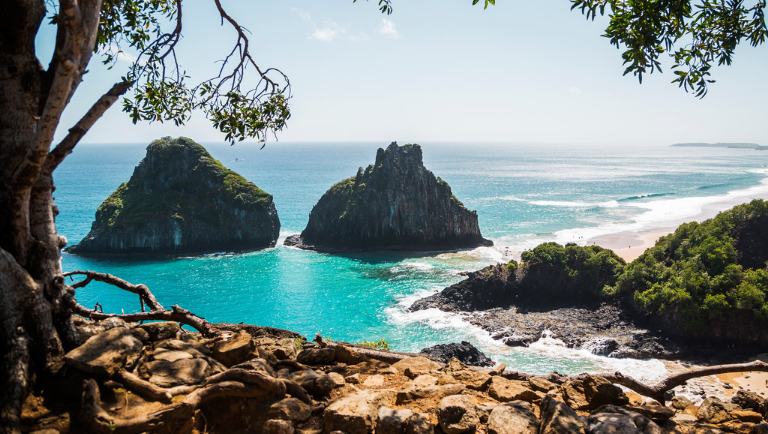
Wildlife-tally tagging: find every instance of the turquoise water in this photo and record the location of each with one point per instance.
(524, 195)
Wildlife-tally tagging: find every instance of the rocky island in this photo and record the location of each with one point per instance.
(180, 200)
(394, 204)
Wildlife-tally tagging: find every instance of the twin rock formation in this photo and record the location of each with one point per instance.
(180, 200)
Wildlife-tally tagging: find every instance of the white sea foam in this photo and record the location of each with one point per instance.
(650, 213)
(576, 204)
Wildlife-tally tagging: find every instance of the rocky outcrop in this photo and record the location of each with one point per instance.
(549, 276)
(395, 204)
(180, 200)
(464, 352)
(156, 379)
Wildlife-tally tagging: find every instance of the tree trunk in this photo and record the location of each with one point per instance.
(35, 322)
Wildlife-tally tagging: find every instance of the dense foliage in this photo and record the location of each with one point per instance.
(585, 270)
(697, 273)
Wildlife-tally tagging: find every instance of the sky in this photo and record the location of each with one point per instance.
(444, 71)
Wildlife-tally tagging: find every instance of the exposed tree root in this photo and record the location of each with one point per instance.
(157, 311)
(657, 391)
(383, 355)
(275, 386)
(142, 387)
(168, 419)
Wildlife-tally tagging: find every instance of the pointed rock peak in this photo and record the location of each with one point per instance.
(407, 153)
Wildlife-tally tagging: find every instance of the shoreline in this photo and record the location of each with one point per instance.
(637, 242)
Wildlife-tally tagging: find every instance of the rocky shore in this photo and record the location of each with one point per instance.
(160, 378)
(394, 204)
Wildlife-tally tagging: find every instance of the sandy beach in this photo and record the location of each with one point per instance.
(630, 245)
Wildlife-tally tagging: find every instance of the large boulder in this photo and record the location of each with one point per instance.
(558, 418)
(356, 413)
(505, 390)
(456, 414)
(313, 382)
(392, 421)
(393, 204)
(177, 373)
(414, 392)
(180, 200)
(611, 419)
(105, 353)
(464, 352)
(235, 350)
(472, 379)
(513, 418)
(412, 367)
(598, 391)
(289, 409)
(317, 356)
(714, 411)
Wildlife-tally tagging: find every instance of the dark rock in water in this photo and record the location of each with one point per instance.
(395, 204)
(465, 352)
(518, 340)
(601, 346)
(180, 200)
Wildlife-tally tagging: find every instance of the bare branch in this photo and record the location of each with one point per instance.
(77, 132)
(657, 391)
(157, 312)
(141, 290)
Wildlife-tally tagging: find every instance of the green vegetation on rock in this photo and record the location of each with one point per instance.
(381, 344)
(697, 274)
(585, 269)
(141, 199)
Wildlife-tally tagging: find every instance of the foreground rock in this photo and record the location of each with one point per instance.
(141, 370)
(180, 200)
(464, 352)
(395, 204)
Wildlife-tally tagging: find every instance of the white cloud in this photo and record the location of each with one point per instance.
(330, 30)
(574, 89)
(387, 28)
(326, 34)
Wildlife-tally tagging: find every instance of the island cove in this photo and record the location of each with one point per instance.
(371, 266)
(698, 290)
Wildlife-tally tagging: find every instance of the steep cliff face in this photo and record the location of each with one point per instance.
(395, 204)
(181, 200)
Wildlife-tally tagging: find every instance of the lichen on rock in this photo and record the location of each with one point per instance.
(181, 200)
(394, 204)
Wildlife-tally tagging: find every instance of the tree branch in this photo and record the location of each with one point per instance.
(77, 132)
(157, 312)
(139, 289)
(657, 391)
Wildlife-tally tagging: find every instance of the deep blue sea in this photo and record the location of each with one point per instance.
(524, 195)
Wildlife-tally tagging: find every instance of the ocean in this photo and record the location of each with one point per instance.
(524, 194)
